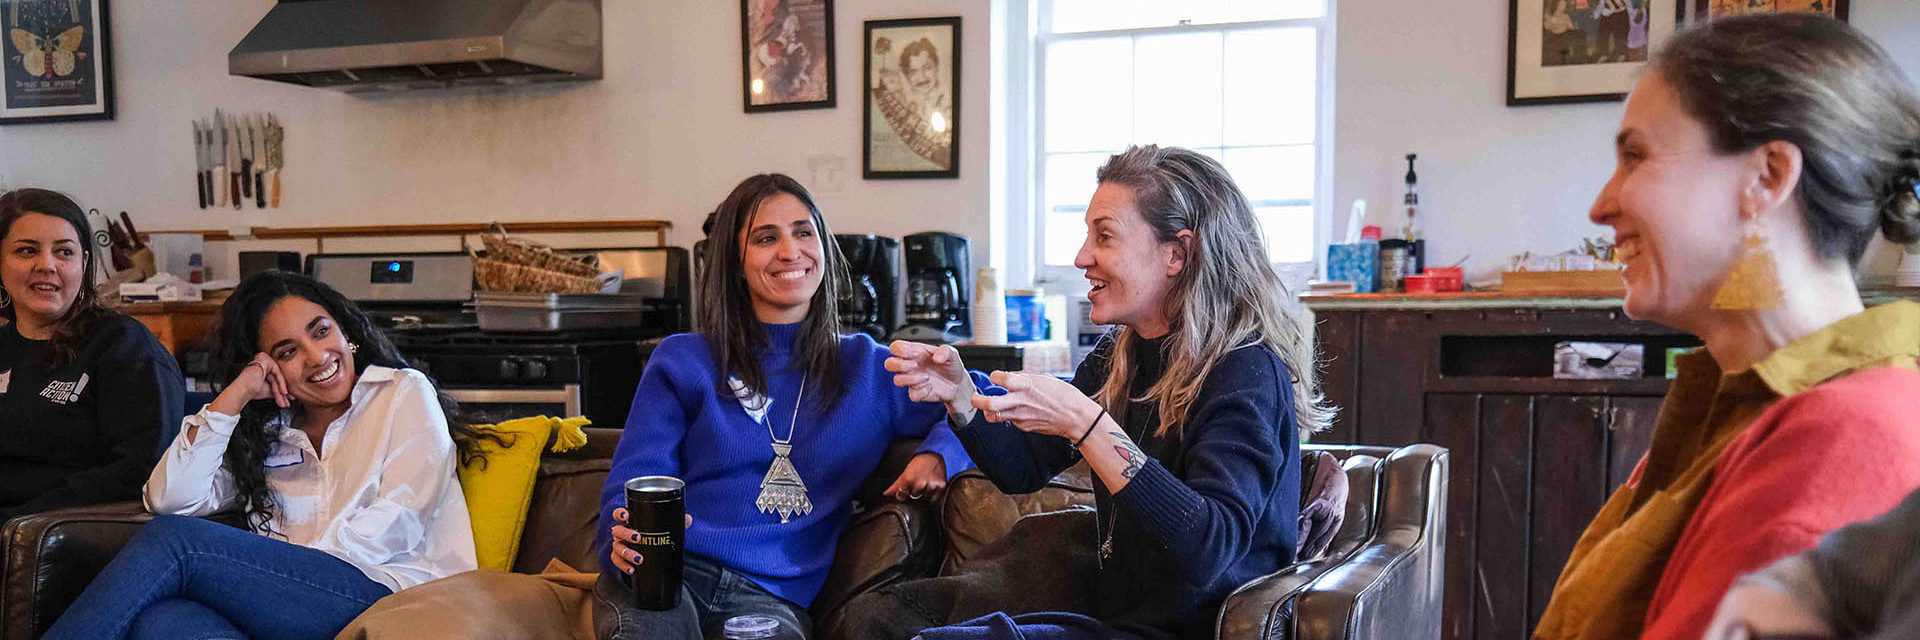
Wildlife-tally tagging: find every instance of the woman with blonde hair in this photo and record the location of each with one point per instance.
(1189, 413)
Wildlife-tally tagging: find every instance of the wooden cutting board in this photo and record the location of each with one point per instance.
(1563, 283)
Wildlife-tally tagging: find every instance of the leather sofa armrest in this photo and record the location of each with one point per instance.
(52, 555)
(1392, 586)
(890, 543)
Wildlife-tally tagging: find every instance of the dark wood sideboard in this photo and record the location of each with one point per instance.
(1533, 457)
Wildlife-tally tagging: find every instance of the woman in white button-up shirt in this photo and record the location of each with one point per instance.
(342, 459)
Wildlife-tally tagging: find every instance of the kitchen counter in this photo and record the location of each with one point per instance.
(1499, 299)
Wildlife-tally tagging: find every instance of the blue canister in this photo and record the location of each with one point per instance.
(1026, 316)
(1356, 263)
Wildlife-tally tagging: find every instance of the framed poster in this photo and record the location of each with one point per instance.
(911, 111)
(1710, 9)
(1561, 51)
(58, 65)
(786, 54)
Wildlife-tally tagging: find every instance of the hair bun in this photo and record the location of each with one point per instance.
(1900, 210)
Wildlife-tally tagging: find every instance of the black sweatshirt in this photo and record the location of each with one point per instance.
(1215, 507)
(90, 430)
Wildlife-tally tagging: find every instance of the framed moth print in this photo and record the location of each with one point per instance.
(58, 63)
(912, 106)
(786, 49)
(1561, 51)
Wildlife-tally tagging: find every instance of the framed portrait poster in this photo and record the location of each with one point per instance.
(58, 64)
(912, 105)
(1710, 9)
(786, 54)
(1561, 51)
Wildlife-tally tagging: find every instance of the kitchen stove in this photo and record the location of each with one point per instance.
(422, 303)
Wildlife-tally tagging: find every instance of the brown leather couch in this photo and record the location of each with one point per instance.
(1382, 580)
(50, 557)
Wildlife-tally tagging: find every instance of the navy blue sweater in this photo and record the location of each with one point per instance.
(1216, 506)
(681, 426)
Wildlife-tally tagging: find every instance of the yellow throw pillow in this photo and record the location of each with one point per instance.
(499, 488)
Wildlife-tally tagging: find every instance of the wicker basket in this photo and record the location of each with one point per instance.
(496, 275)
(532, 254)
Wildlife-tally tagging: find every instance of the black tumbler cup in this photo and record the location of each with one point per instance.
(656, 509)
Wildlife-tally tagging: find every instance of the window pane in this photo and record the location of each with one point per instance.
(1069, 186)
(1100, 15)
(1089, 94)
(1270, 86)
(1178, 94)
(1272, 176)
(1288, 232)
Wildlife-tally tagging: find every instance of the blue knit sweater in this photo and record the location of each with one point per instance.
(681, 426)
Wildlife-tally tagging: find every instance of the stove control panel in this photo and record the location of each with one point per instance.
(450, 369)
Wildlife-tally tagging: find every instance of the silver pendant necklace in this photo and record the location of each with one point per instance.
(781, 490)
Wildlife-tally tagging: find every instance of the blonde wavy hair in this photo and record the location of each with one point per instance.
(1226, 297)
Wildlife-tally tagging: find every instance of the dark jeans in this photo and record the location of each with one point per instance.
(709, 595)
(189, 578)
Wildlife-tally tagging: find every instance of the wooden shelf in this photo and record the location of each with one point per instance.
(658, 227)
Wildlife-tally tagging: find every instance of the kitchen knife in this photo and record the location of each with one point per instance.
(234, 159)
(246, 157)
(132, 234)
(218, 137)
(259, 168)
(276, 154)
(199, 167)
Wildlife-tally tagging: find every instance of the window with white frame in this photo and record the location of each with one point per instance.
(1238, 80)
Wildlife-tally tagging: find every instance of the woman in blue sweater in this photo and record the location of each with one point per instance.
(766, 389)
(1188, 414)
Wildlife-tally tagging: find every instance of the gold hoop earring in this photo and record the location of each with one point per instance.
(6, 300)
(1754, 282)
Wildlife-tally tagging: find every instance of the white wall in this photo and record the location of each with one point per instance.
(1430, 78)
(661, 137)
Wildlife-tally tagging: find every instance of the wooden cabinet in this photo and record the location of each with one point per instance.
(175, 324)
(1533, 457)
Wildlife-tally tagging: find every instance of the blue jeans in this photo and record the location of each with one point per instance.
(194, 579)
(709, 595)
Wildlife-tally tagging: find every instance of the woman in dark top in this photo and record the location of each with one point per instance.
(85, 393)
(1189, 413)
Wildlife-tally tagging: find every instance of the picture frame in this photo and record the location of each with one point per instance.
(786, 55)
(1711, 9)
(910, 114)
(59, 61)
(1567, 51)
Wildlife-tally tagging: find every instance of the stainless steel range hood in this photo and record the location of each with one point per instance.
(397, 45)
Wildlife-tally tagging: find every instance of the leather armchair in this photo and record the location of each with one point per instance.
(50, 557)
(1383, 576)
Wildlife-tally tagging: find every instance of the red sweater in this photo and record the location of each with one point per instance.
(1843, 451)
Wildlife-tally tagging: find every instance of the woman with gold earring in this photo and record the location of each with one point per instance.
(1757, 158)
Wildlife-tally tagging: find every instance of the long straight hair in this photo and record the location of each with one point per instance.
(1227, 296)
(70, 329)
(734, 334)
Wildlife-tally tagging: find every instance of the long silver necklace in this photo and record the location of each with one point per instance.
(781, 490)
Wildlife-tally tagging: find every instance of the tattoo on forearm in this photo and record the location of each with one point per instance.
(1130, 453)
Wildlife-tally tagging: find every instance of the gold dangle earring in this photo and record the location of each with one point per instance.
(1754, 281)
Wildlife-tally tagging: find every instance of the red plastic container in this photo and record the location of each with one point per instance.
(1422, 284)
(1450, 279)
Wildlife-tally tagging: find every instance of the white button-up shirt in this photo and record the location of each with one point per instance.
(381, 494)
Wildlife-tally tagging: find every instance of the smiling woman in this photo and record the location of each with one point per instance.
(85, 393)
(342, 459)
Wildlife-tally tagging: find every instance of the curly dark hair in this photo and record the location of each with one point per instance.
(71, 329)
(237, 339)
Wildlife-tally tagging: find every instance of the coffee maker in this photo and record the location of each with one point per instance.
(869, 303)
(937, 288)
